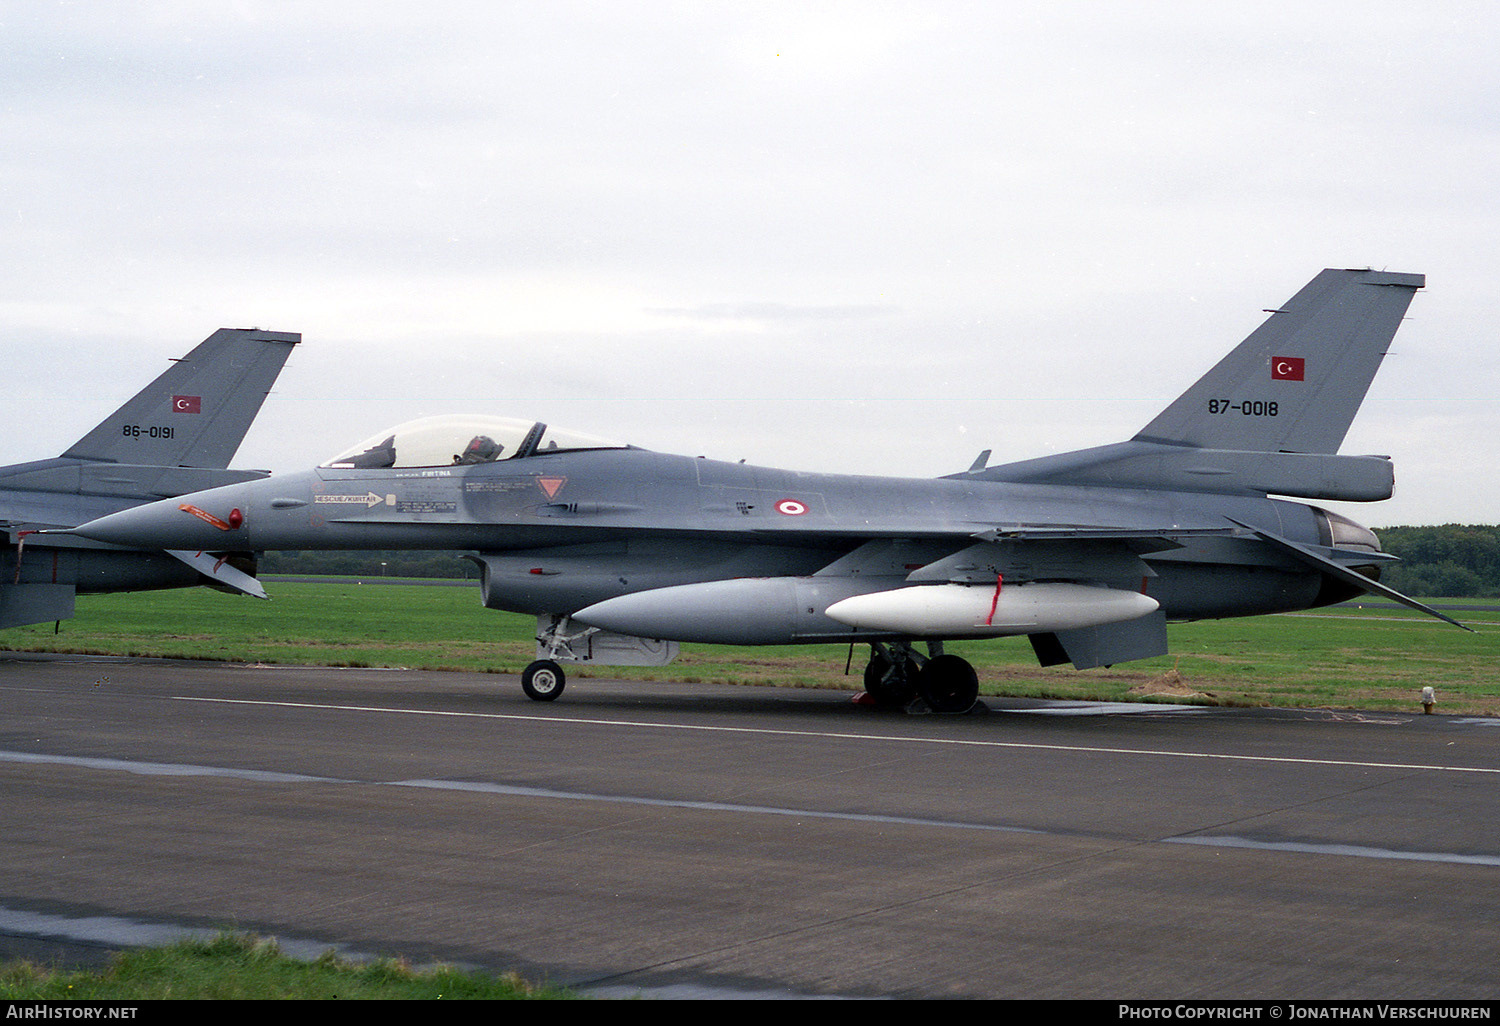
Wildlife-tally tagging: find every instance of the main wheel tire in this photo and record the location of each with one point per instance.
(885, 685)
(948, 684)
(543, 680)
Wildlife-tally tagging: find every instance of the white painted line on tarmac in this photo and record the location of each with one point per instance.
(672, 803)
(1063, 708)
(563, 721)
(519, 791)
(166, 769)
(1348, 850)
(170, 769)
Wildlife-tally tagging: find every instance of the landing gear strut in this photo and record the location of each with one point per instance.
(543, 680)
(900, 678)
(891, 675)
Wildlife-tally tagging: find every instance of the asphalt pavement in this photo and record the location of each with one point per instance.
(744, 841)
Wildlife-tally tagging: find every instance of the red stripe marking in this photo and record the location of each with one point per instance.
(999, 580)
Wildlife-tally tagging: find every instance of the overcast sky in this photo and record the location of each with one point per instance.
(866, 237)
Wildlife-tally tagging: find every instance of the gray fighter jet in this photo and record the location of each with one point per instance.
(622, 553)
(177, 435)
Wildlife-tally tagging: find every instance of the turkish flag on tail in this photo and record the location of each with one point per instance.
(1286, 368)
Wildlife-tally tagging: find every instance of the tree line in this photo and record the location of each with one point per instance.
(1451, 560)
(1454, 559)
(373, 563)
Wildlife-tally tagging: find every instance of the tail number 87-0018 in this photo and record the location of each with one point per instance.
(1248, 408)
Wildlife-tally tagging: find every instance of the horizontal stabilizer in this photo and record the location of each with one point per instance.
(1343, 573)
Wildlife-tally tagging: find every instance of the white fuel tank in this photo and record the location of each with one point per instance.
(961, 610)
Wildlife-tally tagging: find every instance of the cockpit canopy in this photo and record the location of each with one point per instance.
(461, 440)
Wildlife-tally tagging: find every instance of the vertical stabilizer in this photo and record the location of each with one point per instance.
(196, 414)
(1296, 383)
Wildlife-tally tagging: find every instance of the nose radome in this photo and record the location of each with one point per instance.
(190, 522)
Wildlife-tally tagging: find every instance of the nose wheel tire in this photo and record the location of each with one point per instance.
(543, 680)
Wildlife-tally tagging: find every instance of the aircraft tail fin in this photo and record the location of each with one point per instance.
(197, 412)
(1295, 384)
(1270, 416)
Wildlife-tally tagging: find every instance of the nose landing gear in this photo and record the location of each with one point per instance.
(543, 680)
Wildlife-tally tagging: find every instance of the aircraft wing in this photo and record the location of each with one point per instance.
(1018, 554)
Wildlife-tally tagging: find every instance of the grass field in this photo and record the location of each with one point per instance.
(1377, 657)
(232, 967)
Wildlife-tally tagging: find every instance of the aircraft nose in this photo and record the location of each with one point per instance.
(173, 524)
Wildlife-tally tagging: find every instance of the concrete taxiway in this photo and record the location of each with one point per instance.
(741, 840)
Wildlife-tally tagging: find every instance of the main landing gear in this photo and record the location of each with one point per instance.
(898, 677)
